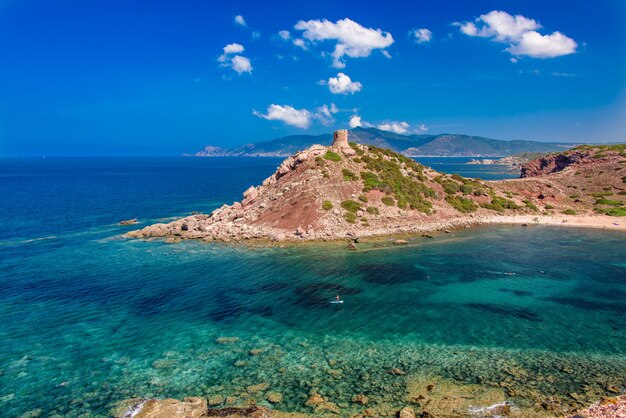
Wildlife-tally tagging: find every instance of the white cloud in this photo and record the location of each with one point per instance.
(536, 45)
(233, 49)
(352, 39)
(300, 43)
(325, 114)
(255, 34)
(241, 64)
(422, 35)
(238, 63)
(398, 127)
(355, 121)
(284, 35)
(239, 20)
(300, 118)
(499, 25)
(342, 84)
(521, 34)
(422, 128)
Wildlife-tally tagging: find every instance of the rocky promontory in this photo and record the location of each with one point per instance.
(350, 190)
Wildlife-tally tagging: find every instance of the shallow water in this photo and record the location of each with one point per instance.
(89, 318)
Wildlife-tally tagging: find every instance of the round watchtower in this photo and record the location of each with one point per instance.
(340, 139)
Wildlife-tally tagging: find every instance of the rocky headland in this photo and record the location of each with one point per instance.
(351, 191)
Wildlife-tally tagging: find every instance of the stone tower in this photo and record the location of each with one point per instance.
(340, 139)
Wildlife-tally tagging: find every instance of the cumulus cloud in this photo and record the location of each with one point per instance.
(352, 39)
(342, 84)
(230, 58)
(396, 127)
(300, 118)
(284, 35)
(421, 36)
(239, 20)
(233, 49)
(399, 127)
(241, 64)
(325, 114)
(536, 45)
(299, 42)
(520, 33)
(355, 121)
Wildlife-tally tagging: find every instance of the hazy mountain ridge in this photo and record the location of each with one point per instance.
(441, 145)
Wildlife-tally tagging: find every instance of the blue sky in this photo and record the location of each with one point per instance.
(154, 77)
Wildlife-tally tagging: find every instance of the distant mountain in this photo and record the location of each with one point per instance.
(443, 145)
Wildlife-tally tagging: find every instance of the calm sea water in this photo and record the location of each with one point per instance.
(89, 318)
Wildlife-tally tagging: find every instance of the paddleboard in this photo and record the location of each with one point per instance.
(336, 301)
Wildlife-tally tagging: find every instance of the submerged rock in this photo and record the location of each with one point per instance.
(194, 407)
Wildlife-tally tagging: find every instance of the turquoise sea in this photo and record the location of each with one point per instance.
(89, 318)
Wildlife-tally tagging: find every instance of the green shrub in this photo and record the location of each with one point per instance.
(357, 160)
(358, 150)
(348, 175)
(370, 180)
(569, 212)
(351, 205)
(319, 161)
(530, 205)
(363, 198)
(622, 193)
(327, 205)
(461, 204)
(549, 207)
(372, 210)
(349, 217)
(574, 196)
(499, 204)
(608, 202)
(388, 201)
(386, 175)
(612, 211)
(623, 179)
(601, 194)
(332, 156)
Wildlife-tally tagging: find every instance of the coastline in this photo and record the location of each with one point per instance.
(411, 231)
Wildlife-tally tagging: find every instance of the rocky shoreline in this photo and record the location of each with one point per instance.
(447, 406)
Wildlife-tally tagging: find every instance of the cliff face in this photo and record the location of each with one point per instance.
(352, 190)
(580, 156)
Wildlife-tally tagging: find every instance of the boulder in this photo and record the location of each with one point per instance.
(401, 242)
(128, 222)
(249, 196)
(248, 191)
(194, 407)
(300, 231)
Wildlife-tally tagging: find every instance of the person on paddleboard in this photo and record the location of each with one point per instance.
(337, 298)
